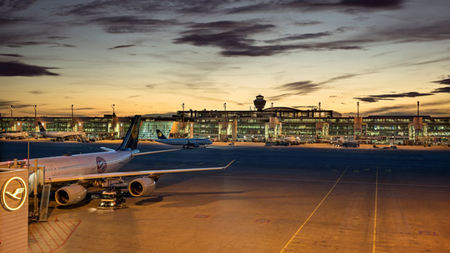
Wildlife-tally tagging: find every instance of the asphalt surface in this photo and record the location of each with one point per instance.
(273, 199)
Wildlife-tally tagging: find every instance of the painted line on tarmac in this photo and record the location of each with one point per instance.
(323, 181)
(374, 233)
(313, 212)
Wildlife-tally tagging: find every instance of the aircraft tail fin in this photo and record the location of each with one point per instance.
(160, 134)
(130, 140)
(41, 127)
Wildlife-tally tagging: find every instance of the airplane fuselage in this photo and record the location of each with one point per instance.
(61, 134)
(15, 135)
(81, 164)
(91, 163)
(185, 141)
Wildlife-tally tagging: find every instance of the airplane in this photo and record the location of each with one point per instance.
(60, 135)
(15, 135)
(349, 144)
(71, 176)
(184, 142)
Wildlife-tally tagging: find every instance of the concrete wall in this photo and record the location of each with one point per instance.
(13, 223)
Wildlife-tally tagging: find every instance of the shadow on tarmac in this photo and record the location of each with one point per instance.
(184, 203)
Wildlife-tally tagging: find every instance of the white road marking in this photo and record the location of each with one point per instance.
(313, 212)
(375, 215)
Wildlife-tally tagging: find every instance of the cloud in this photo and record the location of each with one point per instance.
(342, 77)
(217, 7)
(217, 99)
(295, 88)
(13, 68)
(234, 38)
(18, 44)
(36, 92)
(225, 34)
(308, 23)
(442, 90)
(5, 20)
(349, 6)
(15, 5)
(6, 104)
(151, 86)
(98, 7)
(131, 24)
(382, 54)
(92, 8)
(280, 96)
(434, 30)
(84, 108)
(58, 37)
(410, 109)
(306, 87)
(121, 46)
(135, 96)
(303, 36)
(443, 81)
(12, 55)
(302, 87)
(397, 110)
(376, 98)
(443, 59)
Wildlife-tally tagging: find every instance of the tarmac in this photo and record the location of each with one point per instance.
(273, 199)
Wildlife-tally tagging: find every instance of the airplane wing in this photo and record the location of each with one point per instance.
(60, 179)
(107, 149)
(141, 153)
(154, 152)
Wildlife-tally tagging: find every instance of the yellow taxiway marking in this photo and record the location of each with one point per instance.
(313, 212)
(374, 233)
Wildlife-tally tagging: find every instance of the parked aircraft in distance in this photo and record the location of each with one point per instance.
(184, 142)
(60, 136)
(14, 135)
(71, 176)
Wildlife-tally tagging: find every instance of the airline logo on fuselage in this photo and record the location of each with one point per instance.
(101, 164)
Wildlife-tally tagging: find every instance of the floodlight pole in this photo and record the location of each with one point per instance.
(182, 112)
(357, 109)
(418, 105)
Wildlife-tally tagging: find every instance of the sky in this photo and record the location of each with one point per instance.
(150, 57)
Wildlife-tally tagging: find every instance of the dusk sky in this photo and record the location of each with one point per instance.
(151, 56)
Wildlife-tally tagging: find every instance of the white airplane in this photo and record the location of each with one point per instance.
(71, 176)
(184, 142)
(59, 135)
(15, 135)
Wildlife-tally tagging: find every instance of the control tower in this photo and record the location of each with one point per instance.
(259, 103)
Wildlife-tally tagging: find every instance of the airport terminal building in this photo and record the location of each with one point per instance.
(262, 124)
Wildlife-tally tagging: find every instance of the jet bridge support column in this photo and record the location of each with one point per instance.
(45, 199)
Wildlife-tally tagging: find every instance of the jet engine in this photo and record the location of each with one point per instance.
(71, 194)
(141, 186)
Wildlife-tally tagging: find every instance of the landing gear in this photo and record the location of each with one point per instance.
(113, 199)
